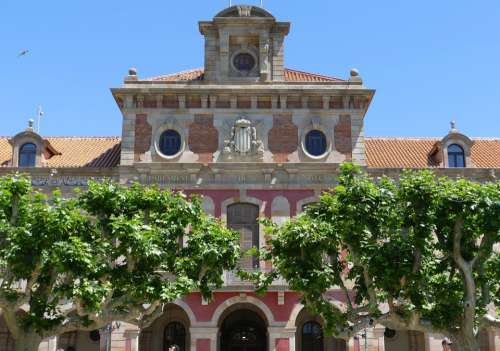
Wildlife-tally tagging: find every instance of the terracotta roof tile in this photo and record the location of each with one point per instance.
(290, 76)
(399, 152)
(104, 152)
(95, 152)
(414, 152)
(5, 151)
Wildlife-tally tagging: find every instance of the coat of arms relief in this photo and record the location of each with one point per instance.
(242, 142)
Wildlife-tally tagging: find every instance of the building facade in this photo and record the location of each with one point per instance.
(256, 140)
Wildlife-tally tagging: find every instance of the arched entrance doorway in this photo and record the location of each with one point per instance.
(172, 328)
(243, 330)
(311, 337)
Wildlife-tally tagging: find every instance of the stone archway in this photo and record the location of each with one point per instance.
(243, 327)
(173, 327)
(310, 327)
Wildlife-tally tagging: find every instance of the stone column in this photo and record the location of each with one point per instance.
(52, 343)
(281, 338)
(105, 340)
(378, 334)
(203, 338)
(131, 339)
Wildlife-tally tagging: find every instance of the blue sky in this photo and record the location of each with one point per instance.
(430, 61)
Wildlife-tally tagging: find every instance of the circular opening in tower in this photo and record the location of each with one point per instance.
(244, 62)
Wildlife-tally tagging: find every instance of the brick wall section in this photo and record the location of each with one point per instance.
(143, 131)
(283, 137)
(343, 143)
(203, 137)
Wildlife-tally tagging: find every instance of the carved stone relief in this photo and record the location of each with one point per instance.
(242, 142)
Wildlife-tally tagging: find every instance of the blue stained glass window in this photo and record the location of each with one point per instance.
(170, 142)
(456, 156)
(27, 155)
(315, 143)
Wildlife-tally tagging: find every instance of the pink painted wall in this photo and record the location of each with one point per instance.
(293, 196)
(203, 345)
(266, 196)
(204, 313)
(282, 345)
(217, 196)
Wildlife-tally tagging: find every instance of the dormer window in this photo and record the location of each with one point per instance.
(456, 156)
(27, 155)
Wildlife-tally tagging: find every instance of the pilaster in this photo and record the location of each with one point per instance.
(203, 338)
(281, 339)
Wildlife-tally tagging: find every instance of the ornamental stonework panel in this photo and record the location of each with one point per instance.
(343, 143)
(143, 132)
(203, 137)
(283, 137)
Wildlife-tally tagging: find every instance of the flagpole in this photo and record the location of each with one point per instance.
(40, 113)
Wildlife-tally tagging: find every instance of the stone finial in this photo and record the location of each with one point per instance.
(355, 77)
(453, 126)
(30, 125)
(132, 74)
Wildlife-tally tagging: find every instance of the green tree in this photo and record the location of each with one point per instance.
(419, 253)
(110, 253)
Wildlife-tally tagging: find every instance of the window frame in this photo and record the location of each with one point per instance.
(456, 156)
(167, 343)
(157, 139)
(308, 343)
(32, 155)
(328, 141)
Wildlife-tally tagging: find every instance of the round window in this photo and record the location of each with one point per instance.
(315, 143)
(244, 62)
(170, 142)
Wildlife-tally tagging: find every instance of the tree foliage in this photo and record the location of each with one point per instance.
(110, 253)
(417, 253)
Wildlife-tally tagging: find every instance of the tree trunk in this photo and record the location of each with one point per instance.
(27, 342)
(465, 343)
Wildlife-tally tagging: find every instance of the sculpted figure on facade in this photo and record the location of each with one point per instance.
(243, 142)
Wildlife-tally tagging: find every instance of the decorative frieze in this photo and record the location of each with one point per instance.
(57, 181)
(254, 102)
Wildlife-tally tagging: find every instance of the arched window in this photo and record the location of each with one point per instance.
(244, 219)
(312, 337)
(27, 155)
(175, 334)
(456, 156)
